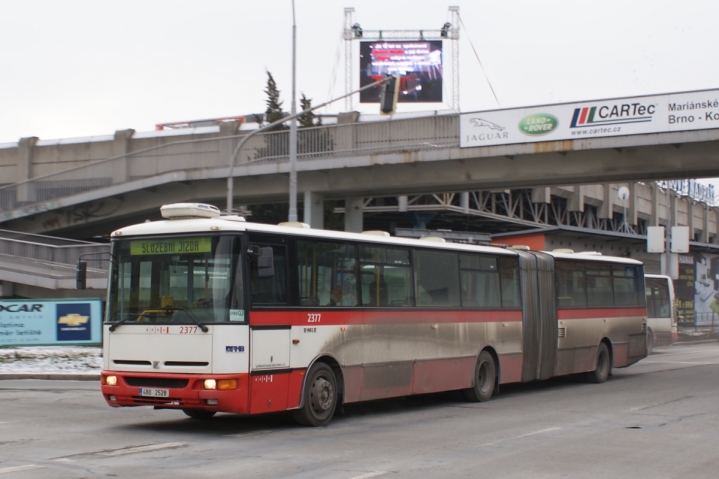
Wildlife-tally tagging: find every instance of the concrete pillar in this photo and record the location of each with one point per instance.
(576, 201)
(606, 211)
(25, 153)
(704, 238)
(121, 147)
(229, 128)
(632, 204)
(464, 202)
(354, 211)
(347, 117)
(402, 201)
(344, 137)
(314, 211)
(654, 214)
(541, 195)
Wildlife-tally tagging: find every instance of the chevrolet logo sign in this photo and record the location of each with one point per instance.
(73, 319)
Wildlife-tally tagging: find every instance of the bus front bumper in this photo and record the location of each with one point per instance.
(176, 391)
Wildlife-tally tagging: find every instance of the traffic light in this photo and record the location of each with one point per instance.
(388, 95)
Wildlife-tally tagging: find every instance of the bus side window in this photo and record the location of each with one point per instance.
(327, 274)
(438, 277)
(479, 279)
(509, 282)
(570, 284)
(385, 277)
(267, 290)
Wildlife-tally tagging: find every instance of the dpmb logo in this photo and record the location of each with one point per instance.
(73, 322)
(618, 114)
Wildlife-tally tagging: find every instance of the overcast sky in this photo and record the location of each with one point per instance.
(76, 68)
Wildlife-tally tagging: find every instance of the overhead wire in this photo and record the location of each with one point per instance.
(479, 61)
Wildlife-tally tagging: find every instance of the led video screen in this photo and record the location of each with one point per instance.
(419, 64)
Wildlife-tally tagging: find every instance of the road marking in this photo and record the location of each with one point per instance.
(370, 475)
(522, 436)
(683, 362)
(29, 467)
(250, 433)
(138, 449)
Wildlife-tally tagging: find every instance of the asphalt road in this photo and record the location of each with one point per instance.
(656, 419)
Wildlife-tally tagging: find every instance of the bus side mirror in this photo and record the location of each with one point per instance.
(81, 275)
(265, 263)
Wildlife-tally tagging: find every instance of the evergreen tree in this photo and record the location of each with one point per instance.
(308, 119)
(274, 110)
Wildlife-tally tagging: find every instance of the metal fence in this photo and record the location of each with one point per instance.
(319, 143)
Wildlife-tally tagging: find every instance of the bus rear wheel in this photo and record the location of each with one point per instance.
(604, 366)
(199, 413)
(485, 376)
(319, 397)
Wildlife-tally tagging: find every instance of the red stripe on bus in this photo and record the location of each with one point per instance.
(587, 313)
(319, 317)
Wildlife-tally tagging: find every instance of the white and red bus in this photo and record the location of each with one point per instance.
(661, 311)
(211, 314)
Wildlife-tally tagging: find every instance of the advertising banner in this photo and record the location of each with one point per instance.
(50, 322)
(592, 119)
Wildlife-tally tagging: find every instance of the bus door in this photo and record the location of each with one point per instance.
(539, 315)
(269, 328)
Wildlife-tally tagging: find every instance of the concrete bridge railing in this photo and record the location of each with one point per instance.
(50, 262)
(326, 142)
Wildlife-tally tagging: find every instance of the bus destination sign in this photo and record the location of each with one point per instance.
(171, 246)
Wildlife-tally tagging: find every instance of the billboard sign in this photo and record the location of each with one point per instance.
(50, 322)
(592, 119)
(418, 63)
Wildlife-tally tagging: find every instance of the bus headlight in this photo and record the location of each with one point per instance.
(110, 380)
(210, 384)
(220, 384)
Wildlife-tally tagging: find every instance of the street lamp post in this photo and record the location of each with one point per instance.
(292, 216)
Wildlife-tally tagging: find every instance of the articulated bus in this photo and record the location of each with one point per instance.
(209, 313)
(661, 311)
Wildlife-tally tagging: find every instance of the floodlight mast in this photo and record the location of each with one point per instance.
(230, 175)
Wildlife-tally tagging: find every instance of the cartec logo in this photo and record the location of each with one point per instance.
(618, 114)
(539, 124)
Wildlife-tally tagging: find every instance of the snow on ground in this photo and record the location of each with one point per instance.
(51, 359)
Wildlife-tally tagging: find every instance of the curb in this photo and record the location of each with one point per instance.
(51, 376)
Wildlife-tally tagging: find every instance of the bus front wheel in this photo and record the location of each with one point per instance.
(485, 376)
(604, 365)
(319, 397)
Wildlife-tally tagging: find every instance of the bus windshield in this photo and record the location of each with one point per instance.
(176, 280)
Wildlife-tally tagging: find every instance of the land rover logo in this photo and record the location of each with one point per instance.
(539, 124)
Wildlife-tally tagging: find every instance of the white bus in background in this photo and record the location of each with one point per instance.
(661, 311)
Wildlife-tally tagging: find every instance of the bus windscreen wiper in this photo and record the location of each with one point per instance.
(129, 316)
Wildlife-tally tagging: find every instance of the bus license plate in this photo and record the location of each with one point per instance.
(155, 393)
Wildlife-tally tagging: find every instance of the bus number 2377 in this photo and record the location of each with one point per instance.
(313, 317)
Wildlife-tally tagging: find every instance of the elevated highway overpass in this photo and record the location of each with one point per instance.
(349, 161)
